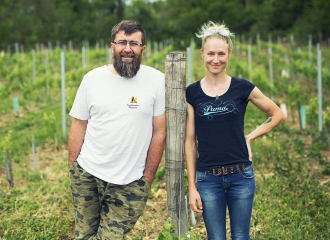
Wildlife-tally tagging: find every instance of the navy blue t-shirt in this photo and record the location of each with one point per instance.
(219, 124)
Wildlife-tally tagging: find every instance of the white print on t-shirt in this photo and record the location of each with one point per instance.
(210, 108)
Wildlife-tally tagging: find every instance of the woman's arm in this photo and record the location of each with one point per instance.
(195, 201)
(276, 116)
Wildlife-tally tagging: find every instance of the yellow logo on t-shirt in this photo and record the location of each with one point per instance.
(133, 100)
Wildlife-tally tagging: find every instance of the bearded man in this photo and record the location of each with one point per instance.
(116, 138)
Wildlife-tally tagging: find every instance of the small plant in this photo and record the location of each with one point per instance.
(169, 230)
(326, 170)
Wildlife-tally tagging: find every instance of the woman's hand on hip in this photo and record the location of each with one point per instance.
(195, 201)
(248, 144)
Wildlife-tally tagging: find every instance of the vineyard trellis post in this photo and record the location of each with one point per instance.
(189, 56)
(309, 48)
(175, 83)
(63, 93)
(299, 114)
(319, 85)
(83, 57)
(46, 71)
(16, 48)
(22, 52)
(34, 154)
(33, 66)
(250, 57)
(9, 170)
(303, 112)
(16, 106)
(271, 75)
(9, 49)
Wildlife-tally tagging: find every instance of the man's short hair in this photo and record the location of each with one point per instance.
(128, 27)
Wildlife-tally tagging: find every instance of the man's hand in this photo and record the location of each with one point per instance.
(149, 180)
(195, 201)
(76, 139)
(156, 148)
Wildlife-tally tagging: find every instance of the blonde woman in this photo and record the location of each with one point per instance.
(215, 116)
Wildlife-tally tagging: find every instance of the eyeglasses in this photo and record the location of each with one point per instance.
(222, 32)
(132, 44)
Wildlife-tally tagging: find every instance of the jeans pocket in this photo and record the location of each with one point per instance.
(200, 176)
(248, 172)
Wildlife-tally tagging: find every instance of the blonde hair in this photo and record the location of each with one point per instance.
(215, 26)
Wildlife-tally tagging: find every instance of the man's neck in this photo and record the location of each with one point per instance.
(113, 70)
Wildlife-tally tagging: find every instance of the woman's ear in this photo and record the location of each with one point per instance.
(202, 53)
(229, 53)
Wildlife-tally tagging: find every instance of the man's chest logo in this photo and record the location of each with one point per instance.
(133, 103)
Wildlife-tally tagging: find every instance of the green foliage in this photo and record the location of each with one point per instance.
(327, 116)
(260, 79)
(293, 93)
(312, 112)
(169, 230)
(5, 91)
(4, 145)
(49, 124)
(326, 170)
(6, 141)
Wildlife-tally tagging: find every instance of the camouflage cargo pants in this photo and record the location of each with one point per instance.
(104, 210)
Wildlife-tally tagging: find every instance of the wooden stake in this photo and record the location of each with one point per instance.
(9, 170)
(174, 157)
(63, 94)
(328, 136)
(300, 123)
(319, 85)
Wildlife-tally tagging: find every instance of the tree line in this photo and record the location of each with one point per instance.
(40, 21)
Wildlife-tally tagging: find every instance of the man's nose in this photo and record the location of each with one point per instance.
(127, 48)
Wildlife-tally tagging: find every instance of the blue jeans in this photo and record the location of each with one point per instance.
(235, 190)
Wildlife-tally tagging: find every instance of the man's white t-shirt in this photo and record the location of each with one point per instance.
(119, 113)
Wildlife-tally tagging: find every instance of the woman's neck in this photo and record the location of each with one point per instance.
(216, 79)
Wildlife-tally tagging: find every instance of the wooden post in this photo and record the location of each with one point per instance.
(9, 170)
(110, 55)
(303, 112)
(83, 54)
(258, 42)
(250, 57)
(175, 81)
(56, 143)
(271, 75)
(35, 161)
(34, 66)
(299, 113)
(16, 106)
(310, 48)
(63, 94)
(319, 85)
(328, 135)
(46, 73)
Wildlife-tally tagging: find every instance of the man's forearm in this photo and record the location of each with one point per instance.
(76, 139)
(154, 156)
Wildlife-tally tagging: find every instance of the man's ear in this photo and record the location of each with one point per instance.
(143, 49)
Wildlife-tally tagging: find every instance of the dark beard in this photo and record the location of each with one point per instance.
(127, 69)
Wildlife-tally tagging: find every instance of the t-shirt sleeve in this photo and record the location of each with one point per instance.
(247, 88)
(79, 108)
(189, 95)
(159, 106)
